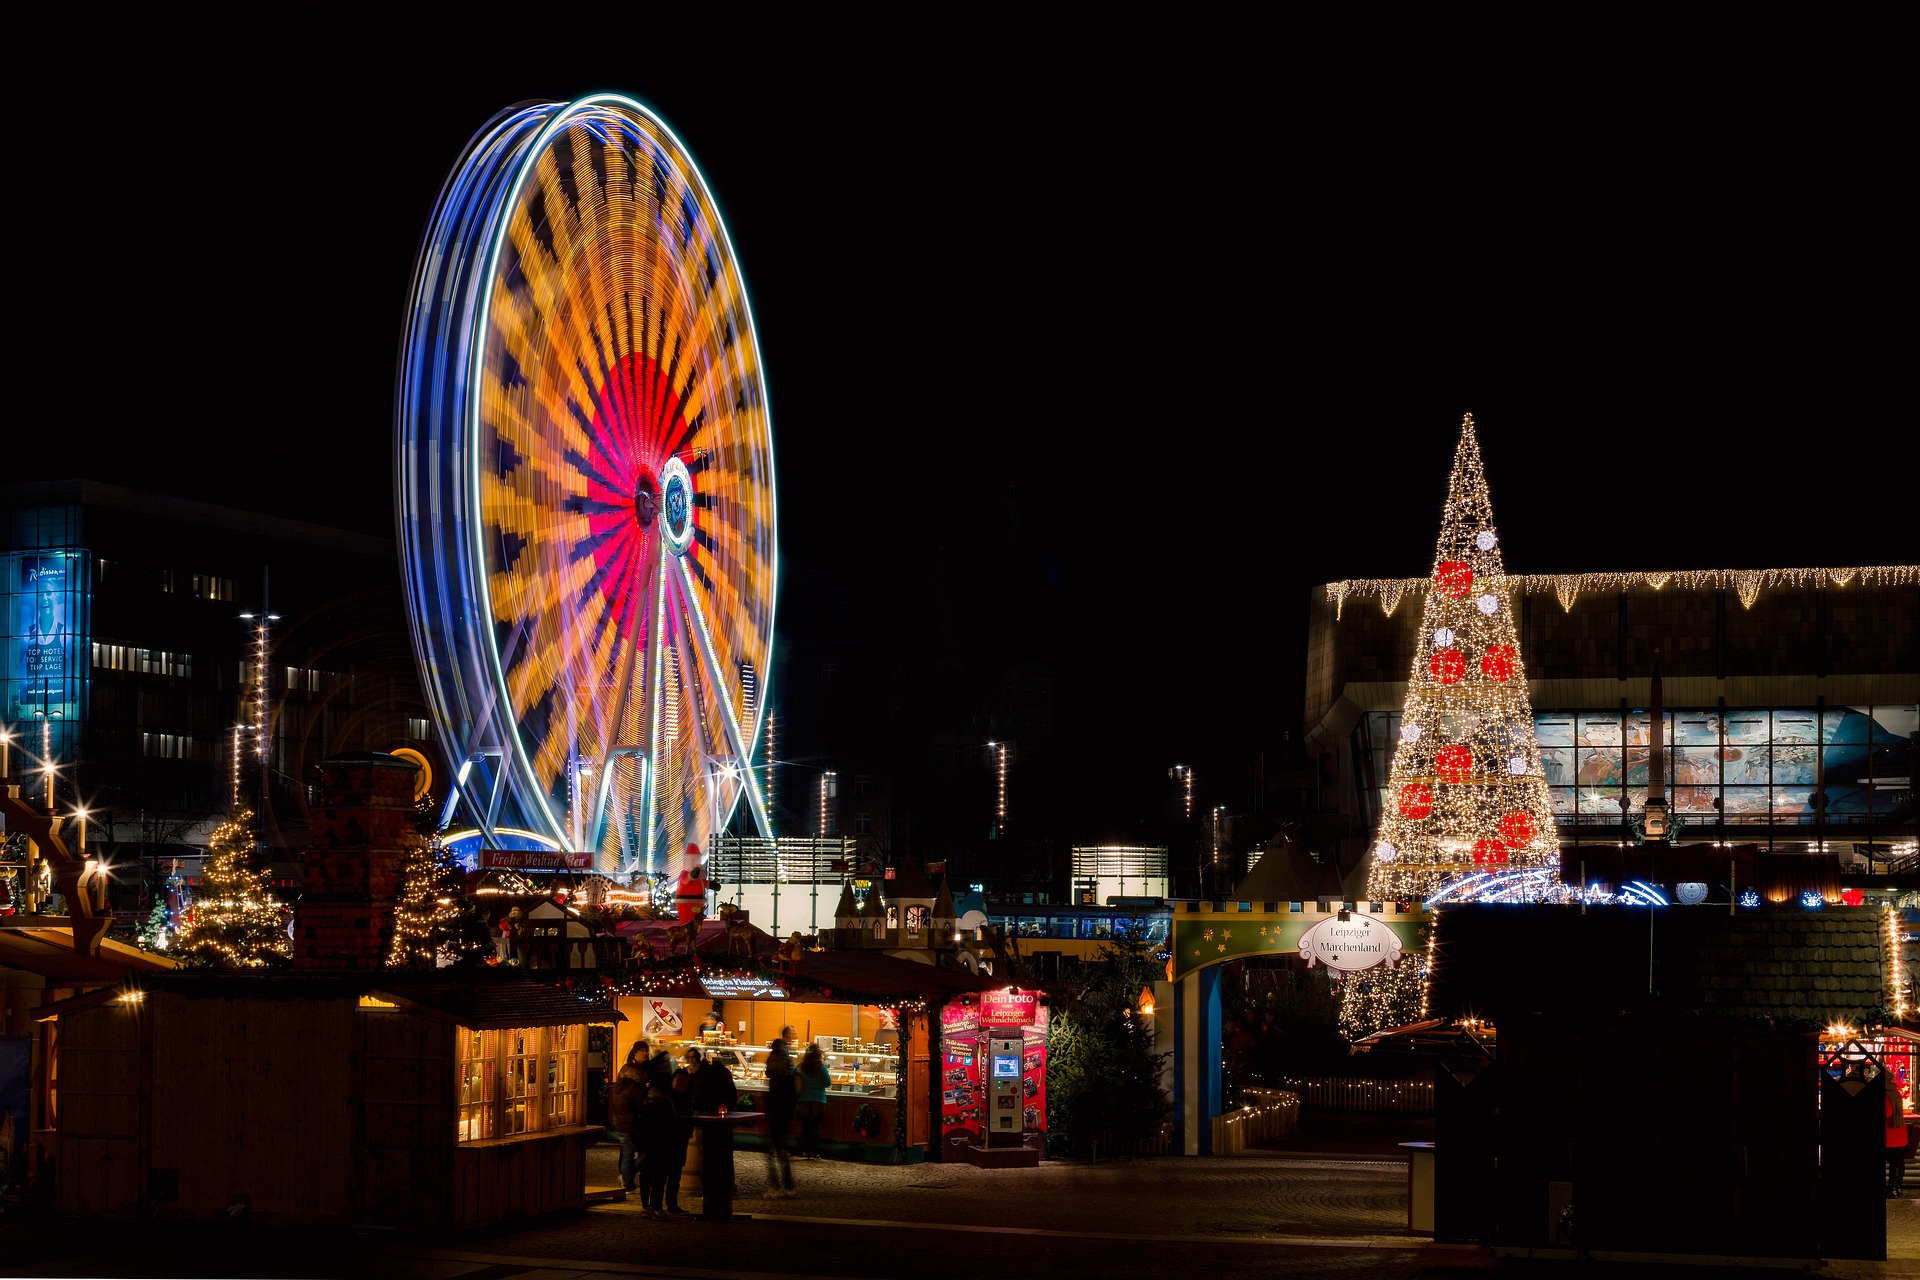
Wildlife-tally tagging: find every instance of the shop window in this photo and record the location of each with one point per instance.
(518, 1081)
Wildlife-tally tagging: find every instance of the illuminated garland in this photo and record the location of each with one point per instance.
(235, 922)
(1896, 974)
(1568, 587)
(1467, 796)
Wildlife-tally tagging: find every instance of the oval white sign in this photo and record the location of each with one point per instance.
(1358, 942)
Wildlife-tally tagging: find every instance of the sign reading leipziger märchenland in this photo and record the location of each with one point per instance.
(1358, 942)
(1007, 1009)
(536, 860)
(1212, 937)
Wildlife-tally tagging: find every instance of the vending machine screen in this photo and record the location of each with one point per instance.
(1006, 1066)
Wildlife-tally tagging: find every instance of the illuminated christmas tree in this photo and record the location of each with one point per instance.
(235, 921)
(433, 922)
(1466, 808)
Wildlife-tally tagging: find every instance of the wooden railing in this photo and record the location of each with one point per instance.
(1265, 1115)
(1364, 1095)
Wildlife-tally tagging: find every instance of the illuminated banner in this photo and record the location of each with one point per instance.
(1213, 937)
(1358, 942)
(723, 985)
(536, 860)
(48, 659)
(1003, 1009)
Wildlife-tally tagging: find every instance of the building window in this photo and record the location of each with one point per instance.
(862, 823)
(152, 662)
(208, 587)
(167, 746)
(862, 785)
(523, 1080)
(418, 729)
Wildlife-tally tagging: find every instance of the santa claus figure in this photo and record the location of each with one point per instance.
(690, 892)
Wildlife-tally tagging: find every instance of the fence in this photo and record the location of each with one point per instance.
(1364, 1095)
(1266, 1115)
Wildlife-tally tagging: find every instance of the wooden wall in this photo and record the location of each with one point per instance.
(254, 1099)
(100, 1103)
(519, 1177)
(406, 1119)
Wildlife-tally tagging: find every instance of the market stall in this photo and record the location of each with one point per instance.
(877, 1020)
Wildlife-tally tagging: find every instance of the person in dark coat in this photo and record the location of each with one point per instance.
(714, 1094)
(1896, 1144)
(654, 1130)
(624, 1099)
(781, 1097)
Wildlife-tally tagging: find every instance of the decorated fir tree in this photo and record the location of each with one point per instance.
(434, 924)
(1466, 807)
(235, 921)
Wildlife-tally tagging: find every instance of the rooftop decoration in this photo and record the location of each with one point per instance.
(1569, 587)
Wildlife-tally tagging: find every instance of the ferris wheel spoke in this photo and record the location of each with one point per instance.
(722, 694)
(655, 682)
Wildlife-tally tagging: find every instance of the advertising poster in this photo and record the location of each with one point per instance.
(965, 1064)
(661, 1020)
(47, 657)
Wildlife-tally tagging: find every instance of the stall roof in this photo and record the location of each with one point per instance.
(482, 1000)
(44, 945)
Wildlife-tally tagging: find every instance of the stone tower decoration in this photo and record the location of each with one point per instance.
(350, 886)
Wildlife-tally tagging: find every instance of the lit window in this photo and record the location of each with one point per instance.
(524, 1080)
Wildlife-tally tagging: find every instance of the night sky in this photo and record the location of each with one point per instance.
(1111, 348)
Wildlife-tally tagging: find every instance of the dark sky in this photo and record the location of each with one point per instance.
(1121, 339)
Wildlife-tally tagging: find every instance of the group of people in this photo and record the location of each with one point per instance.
(655, 1102)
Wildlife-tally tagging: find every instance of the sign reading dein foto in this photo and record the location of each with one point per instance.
(1358, 942)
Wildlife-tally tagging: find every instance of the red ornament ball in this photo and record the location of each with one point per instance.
(1453, 764)
(1453, 578)
(1447, 666)
(1416, 801)
(1517, 828)
(1488, 852)
(1499, 662)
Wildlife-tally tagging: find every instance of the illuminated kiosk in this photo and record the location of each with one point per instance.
(586, 505)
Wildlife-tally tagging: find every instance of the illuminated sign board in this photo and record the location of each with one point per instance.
(1004, 1009)
(48, 641)
(536, 860)
(1358, 942)
(721, 986)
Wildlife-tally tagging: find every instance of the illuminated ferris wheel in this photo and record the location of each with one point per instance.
(586, 495)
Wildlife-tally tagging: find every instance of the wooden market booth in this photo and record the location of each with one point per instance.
(395, 1099)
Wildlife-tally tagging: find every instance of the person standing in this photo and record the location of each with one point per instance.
(813, 1078)
(624, 1099)
(1896, 1144)
(781, 1098)
(715, 1095)
(654, 1131)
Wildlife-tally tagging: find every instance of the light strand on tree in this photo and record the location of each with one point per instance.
(1466, 792)
(235, 921)
(1568, 587)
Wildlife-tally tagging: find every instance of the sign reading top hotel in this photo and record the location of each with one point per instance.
(46, 621)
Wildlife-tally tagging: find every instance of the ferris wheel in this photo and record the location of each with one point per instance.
(585, 487)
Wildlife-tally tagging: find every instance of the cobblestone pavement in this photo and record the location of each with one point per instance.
(1258, 1215)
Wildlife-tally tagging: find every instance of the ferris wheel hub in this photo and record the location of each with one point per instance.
(676, 506)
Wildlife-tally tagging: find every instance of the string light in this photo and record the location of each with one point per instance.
(235, 922)
(1896, 970)
(1462, 821)
(1568, 587)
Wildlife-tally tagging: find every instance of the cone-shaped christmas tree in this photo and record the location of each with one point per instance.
(235, 922)
(1467, 803)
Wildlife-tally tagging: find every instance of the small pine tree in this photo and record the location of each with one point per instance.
(236, 922)
(434, 923)
(1103, 1077)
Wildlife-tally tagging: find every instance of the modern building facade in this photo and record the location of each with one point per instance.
(1791, 700)
(132, 634)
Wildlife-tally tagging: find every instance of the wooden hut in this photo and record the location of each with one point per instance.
(389, 1099)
